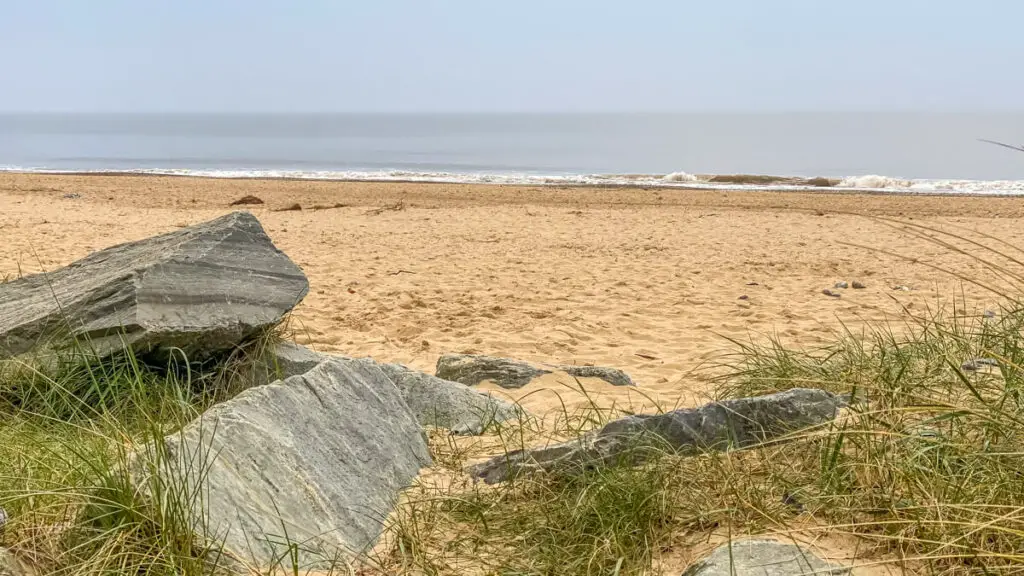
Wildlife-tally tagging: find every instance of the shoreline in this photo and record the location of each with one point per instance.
(149, 191)
(704, 183)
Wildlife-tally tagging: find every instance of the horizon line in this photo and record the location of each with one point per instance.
(516, 112)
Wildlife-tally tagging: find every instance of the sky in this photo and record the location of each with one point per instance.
(510, 56)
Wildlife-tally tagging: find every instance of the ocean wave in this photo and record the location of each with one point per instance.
(875, 182)
(680, 177)
(861, 183)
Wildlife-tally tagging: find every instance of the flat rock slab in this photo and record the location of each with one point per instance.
(290, 359)
(472, 369)
(202, 289)
(433, 401)
(283, 360)
(763, 558)
(717, 426)
(445, 404)
(321, 457)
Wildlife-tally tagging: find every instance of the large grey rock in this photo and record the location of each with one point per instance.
(446, 404)
(280, 361)
(201, 289)
(433, 401)
(321, 457)
(472, 369)
(716, 426)
(290, 359)
(763, 558)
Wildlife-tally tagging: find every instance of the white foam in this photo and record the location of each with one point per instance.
(869, 183)
(875, 182)
(679, 177)
(932, 186)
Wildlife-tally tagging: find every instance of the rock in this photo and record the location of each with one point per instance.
(202, 289)
(288, 359)
(613, 376)
(715, 426)
(831, 294)
(858, 285)
(988, 314)
(976, 364)
(282, 360)
(445, 404)
(72, 196)
(332, 207)
(763, 558)
(433, 401)
(744, 297)
(321, 456)
(290, 208)
(247, 201)
(842, 284)
(472, 369)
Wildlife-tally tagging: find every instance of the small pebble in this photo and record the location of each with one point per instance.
(858, 286)
(792, 501)
(989, 314)
(842, 284)
(72, 196)
(831, 293)
(902, 288)
(744, 297)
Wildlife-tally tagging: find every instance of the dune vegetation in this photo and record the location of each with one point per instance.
(922, 471)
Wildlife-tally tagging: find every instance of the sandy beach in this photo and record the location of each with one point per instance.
(652, 281)
(758, 309)
(661, 283)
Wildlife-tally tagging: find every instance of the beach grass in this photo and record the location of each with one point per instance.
(75, 428)
(923, 471)
(69, 431)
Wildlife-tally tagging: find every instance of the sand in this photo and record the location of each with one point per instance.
(656, 282)
(652, 281)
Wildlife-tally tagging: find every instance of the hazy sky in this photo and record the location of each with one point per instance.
(511, 55)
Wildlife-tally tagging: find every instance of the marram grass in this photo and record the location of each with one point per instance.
(924, 470)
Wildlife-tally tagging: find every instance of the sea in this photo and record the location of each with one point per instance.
(904, 152)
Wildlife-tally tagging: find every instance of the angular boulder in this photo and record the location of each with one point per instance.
(286, 359)
(292, 359)
(763, 558)
(316, 460)
(716, 426)
(472, 369)
(202, 289)
(433, 401)
(446, 404)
